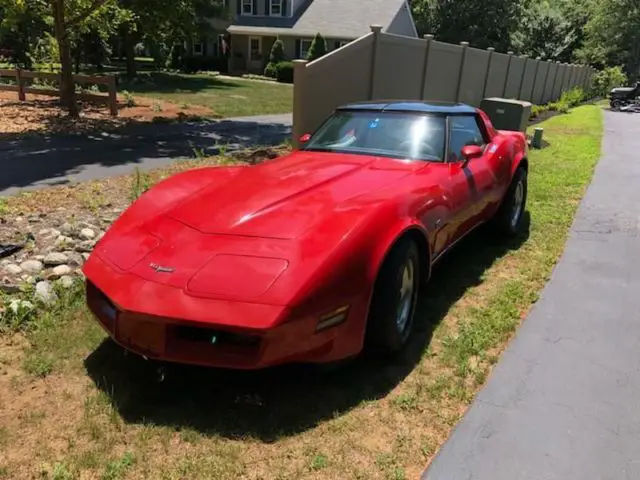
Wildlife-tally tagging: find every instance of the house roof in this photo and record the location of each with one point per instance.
(343, 19)
(411, 106)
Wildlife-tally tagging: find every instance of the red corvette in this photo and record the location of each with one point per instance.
(312, 256)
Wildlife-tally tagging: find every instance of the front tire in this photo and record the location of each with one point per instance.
(511, 212)
(616, 104)
(395, 296)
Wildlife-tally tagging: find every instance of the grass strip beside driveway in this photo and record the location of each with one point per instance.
(73, 405)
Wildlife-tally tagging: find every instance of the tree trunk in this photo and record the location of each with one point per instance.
(67, 87)
(129, 46)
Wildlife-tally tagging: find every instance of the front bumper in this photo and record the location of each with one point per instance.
(162, 323)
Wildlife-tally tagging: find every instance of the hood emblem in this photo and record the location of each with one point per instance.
(161, 269)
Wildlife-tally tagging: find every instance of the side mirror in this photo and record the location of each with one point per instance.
(304, 138)
(470, 152)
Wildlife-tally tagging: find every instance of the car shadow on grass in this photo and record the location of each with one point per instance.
(269, 404)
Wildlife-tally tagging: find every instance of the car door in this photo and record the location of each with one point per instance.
(472, 182)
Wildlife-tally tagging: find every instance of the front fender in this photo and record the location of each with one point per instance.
(400, 228)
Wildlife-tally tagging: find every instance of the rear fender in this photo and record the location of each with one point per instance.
(519, 148)
(520, 160)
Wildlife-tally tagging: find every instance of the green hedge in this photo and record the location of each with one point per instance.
(284, 72)
(281, 71)
(567, 100)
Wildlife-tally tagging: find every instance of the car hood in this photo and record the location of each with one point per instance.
(284, 198)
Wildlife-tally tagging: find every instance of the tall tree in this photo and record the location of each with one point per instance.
(612, 35)
(481, 23)
(544, 32)
(65, 16)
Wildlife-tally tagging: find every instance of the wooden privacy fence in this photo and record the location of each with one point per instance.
(384, 66)
(22, 87)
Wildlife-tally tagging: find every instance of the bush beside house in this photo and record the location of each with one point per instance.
(318, 48)
(278, 67)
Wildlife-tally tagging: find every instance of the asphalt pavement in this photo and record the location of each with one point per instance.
(36, 161)
(563, 402)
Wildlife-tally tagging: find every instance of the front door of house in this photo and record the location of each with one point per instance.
(256, 60)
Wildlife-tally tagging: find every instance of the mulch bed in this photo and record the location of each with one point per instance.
(43, 114)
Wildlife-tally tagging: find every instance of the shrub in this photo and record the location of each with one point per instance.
(277, 52)
(572, 97)
(285, 72)
(271, 70)
(536, 111)
(318, 48)
(605, 80)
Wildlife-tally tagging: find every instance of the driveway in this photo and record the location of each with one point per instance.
(564, 400)
(38, 161)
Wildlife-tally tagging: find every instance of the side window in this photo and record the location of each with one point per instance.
(463, 130)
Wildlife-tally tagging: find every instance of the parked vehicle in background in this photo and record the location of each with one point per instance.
(313, 256)
(621, 96)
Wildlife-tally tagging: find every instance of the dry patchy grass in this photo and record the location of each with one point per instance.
(100, 413)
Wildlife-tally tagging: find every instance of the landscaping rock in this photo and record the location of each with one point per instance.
(66, 281)
(6, 286)
(75, 259)
(64, 242)
(55, 258)
(87, 225)
(12, 269)
(87, 234)
(32, 266)
(85, 247)
(68, 230)
(60, 271)
(45, 293)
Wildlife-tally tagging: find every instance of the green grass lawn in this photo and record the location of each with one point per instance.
(80, 407)
(224, 96)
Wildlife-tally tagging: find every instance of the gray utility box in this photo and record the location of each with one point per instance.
(507, 114)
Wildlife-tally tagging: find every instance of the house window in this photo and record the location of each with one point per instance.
(276, 8)
(305, 46)
(198, 48)
(247, 7)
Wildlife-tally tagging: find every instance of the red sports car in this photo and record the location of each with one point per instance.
(312, 256)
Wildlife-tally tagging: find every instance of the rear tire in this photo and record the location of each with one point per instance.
(509, 217)
(393, 304)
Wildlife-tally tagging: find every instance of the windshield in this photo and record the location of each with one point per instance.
(413, 136)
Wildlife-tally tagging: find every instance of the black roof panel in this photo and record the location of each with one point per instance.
(411, 106)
